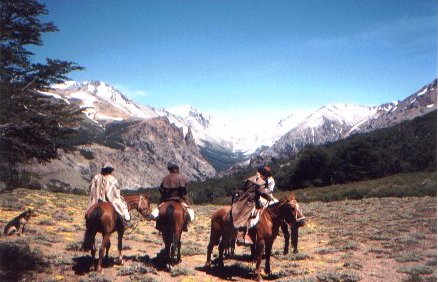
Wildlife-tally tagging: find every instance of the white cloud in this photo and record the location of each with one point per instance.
(131, 93)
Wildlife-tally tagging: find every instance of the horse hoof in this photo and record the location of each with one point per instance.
(207, 264)
(168, 267)
(295, 251)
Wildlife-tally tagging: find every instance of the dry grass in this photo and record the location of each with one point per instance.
(374, 239)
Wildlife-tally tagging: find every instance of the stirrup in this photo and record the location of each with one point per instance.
(128, 224)
(245, 241)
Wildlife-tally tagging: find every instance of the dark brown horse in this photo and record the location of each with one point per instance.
(292, 235)
(103, 218)
(263, 234)
(171, 220)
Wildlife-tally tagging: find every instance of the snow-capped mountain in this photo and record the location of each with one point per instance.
(101, 102)
(334, 122)
(206, 129)
(421, 102)
(327, 124)
(237, 139)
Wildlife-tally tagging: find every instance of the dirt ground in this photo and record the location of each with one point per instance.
(386, 239)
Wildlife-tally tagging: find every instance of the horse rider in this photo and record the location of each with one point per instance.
(174, 187)
(270, 182)
(255, 196)
(104, 188)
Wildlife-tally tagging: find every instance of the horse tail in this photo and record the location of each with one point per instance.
(170, 222)
(92, 223)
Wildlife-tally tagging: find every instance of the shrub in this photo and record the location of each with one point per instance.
(16, 257)
(178, 271)
(74, 246)
(415, 270)
(338, 276)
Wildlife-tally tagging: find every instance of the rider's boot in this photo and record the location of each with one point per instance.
(127, 221)
(243, 239)
(153, 215)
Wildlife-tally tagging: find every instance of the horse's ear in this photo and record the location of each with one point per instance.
(291, 197)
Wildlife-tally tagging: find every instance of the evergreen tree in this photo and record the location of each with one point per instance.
(31, 125)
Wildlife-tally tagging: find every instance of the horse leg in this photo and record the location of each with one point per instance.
(259, 253)
(286, 235)
(107, 248)
(214, 240)
(268, 249)
(120, 245)
(105, 241)
(233, 242)
(93, 255)
(294, 237)
(167, 257)
(90, 243)
(223, 243)
(179, 252)
(176, 245)
(209, 251)
(172, 253)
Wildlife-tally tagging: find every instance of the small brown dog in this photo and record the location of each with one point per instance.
(17, 224)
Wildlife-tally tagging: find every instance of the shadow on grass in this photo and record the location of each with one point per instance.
(233, 272)
(84, 264)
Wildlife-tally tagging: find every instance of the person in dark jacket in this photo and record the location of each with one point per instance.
(248, 203)
(174, 187)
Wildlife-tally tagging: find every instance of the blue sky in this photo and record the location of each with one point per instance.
(237, 57)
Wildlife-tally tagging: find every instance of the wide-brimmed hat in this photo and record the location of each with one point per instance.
(172, 165)
(107, 165)
(264, 170)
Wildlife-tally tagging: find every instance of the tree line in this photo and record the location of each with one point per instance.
(407, 147)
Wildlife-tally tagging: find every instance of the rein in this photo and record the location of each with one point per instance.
(277, 206)
(272, 207)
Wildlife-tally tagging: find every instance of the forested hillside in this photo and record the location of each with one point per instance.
(407, 147)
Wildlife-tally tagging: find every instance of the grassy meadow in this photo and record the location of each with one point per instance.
(380, 230)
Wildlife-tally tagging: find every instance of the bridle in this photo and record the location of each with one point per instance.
(140, 199)
(298, 211)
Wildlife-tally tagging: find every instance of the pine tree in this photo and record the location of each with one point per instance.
(31, 125)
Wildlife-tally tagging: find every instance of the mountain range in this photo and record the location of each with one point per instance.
(140, 139)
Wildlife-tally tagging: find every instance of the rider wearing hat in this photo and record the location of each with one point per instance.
(255, 195)
(105, 188)
(173, 187)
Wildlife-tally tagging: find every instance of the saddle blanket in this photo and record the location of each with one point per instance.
(255, 214)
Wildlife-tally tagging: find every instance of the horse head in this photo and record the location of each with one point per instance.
(292, 211)
(144, 205)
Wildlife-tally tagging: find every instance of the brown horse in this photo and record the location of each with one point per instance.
(103, 218)
(263, 234)
(228, 243)
(222, 233)
(171, 220)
